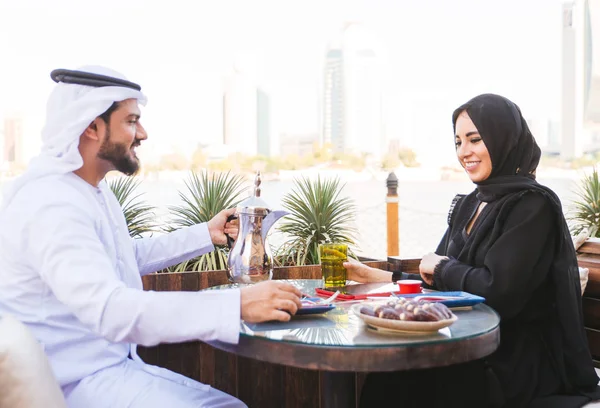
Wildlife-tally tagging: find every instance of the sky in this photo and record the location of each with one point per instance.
(437, 54)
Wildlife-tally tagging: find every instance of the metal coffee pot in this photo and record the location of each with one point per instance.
(250, 258)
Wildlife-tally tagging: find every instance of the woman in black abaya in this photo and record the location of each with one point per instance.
(508, 242)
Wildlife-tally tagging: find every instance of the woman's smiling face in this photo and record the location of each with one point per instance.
(472, 154)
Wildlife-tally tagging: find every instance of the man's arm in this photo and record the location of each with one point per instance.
(156, 253)
(153, 254)
(72, 261)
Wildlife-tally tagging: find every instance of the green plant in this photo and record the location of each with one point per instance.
(138, 215)
(207, 195)
(585, 209)
(317, 215)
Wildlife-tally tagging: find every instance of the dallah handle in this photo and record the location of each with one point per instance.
(230, 241)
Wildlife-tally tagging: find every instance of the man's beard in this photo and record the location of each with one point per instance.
(119, 155)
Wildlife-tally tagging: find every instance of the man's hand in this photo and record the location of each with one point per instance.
(270, 300)
(427, 266)
(359, 272)
(218, 227)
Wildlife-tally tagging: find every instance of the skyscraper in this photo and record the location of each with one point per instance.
(240, 114)
(333, 101)
(352, 94)
(263, 123)
(247, 118)
(13, 141)
(580, 113)
(3, 163)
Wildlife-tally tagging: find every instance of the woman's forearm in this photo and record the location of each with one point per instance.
(379, 275)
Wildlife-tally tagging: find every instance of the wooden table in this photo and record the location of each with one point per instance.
(340, 344)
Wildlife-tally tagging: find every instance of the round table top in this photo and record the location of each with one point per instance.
(340, 341)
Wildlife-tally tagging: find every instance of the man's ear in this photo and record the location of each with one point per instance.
(91, 132)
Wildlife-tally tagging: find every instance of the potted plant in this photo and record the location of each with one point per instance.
(206, 196)
(584, 213)
(318, 214)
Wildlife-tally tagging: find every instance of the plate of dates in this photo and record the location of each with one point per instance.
(405, 315)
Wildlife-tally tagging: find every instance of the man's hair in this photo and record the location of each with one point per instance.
(106, 115)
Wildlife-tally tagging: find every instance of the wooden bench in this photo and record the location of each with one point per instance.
(588, 256)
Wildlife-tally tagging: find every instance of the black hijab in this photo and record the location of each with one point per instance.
(515, 156)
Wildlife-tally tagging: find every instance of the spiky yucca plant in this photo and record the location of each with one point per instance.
(585, 210)
(138, 215)
(317, 215)
(207, 195)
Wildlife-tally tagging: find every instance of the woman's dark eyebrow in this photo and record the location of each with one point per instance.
(474, 132)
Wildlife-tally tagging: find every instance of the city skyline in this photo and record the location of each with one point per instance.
(180, 55)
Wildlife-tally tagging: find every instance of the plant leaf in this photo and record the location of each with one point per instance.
(317, 215)
(206, 196)
(140, 217)
(584, 212)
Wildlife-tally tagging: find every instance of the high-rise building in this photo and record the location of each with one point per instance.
(580, 113)
(247, 117)
(352, 117)
(13, 141)
(3, 163)
(240, 114)
(263, 123)
(546, 135)
(333, 101)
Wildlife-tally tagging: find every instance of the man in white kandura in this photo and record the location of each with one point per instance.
(72, 274)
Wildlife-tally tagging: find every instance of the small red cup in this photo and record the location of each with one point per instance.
(409, 286)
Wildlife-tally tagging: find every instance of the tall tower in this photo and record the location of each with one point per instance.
(580, 112)
(13, 141)
(333, 100)
(569, 81)
(362, 93)
(3, 163)
(240, 114)
(591, 74)
(263, 123)
(352, 94)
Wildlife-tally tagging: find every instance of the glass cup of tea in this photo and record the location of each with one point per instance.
(332, 258)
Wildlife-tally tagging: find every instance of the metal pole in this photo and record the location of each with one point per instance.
(393, 236)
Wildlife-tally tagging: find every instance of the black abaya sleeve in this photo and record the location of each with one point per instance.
(510, 271)
(441, 249)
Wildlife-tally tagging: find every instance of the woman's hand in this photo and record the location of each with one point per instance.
(427, 266)
(359, 272)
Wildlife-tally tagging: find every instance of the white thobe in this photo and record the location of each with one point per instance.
(72, 274)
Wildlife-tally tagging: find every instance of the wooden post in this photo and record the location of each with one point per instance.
(393, 236)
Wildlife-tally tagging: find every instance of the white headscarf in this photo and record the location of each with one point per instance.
(70, 110)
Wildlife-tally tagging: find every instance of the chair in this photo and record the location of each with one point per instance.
(26, 379)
